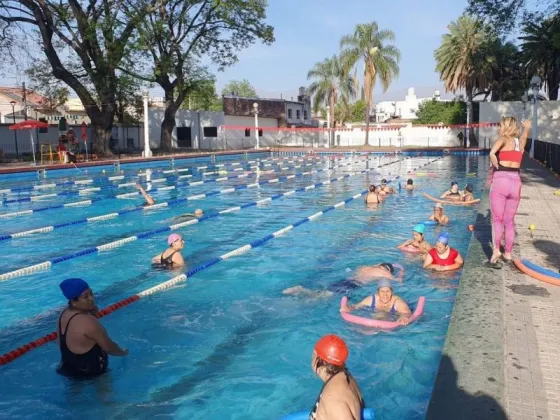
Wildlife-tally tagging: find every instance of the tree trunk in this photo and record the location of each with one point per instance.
(168, 124)
(553, 80)
(332, 104)
(367, 124)
(102, 132)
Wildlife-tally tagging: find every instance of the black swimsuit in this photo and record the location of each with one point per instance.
(167, 261)
(313, 414)
(90, 364)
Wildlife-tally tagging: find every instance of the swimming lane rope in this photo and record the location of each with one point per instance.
(20, 351)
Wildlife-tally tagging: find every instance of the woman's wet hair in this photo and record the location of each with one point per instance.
(409, 181)
(331, 369)
(469, 188)
(372, 188)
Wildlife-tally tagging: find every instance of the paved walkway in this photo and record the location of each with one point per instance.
(502, 352)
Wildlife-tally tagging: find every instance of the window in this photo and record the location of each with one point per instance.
(304, 114)
(260, 132)
(247, 132)
(297, 114)
(289, 113)
(184, 137)
(210, 131)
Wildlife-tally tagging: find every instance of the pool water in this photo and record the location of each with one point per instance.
(227, 343)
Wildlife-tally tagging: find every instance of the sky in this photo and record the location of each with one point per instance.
(308, 31)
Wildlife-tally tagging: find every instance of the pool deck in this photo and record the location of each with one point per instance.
(502, 352)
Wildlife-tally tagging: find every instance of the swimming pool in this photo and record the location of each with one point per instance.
(227, 343)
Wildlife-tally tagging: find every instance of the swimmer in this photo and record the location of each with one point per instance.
(84, 344)
(149, 200)
(384, 188)
(171, 257)
(452, 194)
(409, 185)
(340, 396)
(363, 276)
(438, 215)
(384, 301)
(442, 257)
(417, 240)
(372, 197)
(468, 195)
(189, 216)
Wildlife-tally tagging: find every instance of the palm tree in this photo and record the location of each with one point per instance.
(462, 60)
(330, 82)
(381, 59)
(540, 49)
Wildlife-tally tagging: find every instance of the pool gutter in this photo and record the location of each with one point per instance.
(470, 378)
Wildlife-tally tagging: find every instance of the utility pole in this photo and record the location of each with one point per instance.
(24, 96)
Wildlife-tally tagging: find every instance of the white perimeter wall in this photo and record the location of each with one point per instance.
(548, 116)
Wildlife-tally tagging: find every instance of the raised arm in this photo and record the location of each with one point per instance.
(525, 134)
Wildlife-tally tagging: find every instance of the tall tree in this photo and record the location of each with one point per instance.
(53, 90)
(330, 82)
(84, 43)
(240, 88)
(540, 50)
(380, 58)
(180, 31)
(463, 61)
(505, 15)
(204, 97)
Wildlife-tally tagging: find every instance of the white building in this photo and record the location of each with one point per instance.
(406, 109)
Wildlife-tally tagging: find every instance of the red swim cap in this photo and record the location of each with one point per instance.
(332, 349)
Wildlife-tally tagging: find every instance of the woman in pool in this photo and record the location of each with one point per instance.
(363, 276)
(417, 240)
(438, 215)
(384, 301)
(373, 197)
(505, 192)
(384, 189)
(409, 185)
(149, 200)
(189, 216)
(468, 193)
(171, 257)
(442, 257)
(452, 194)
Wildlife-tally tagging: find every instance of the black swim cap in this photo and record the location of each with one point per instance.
(410, 181)
(388, 266)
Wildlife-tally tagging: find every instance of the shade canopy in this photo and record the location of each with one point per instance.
(29, 125)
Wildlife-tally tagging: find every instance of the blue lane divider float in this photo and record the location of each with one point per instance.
(180, 185)
(108, 216)
(367, 414)
(87, 251)
(46, 229)
(242, 165)
(127, 184)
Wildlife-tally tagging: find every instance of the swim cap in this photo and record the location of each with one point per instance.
(198, 212)
(419, 228)
(388, 266)
(383, 181)
(410, 181)
(443, 238)
(384, 283)
(469, 188)
(438, 206)
(73, 288)
(174, 237)
(332, 349)
(454, 183)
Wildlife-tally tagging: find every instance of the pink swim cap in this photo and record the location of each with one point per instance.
(174, 237)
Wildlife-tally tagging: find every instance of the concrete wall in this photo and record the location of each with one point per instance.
(548, 117)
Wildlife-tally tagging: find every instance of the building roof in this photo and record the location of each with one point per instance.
(16, 94)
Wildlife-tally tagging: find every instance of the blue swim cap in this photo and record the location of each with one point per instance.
(384, 283)
(73, 288)
(443, 238)
(419, 228)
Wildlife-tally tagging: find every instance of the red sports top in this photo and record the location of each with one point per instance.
(515, 155)
(450, 260)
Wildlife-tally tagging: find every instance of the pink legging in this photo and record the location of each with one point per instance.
(505, 195)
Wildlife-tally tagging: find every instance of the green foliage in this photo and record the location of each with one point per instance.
(53, 90)
(540, 51)
(241, 88)
(434, 112)
(203, 97)
(359, 110)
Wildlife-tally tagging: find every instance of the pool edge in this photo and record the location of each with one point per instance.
(470, 383)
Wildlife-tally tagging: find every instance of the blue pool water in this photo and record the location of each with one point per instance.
(228, 343)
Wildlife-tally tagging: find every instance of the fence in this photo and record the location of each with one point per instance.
(124, 138)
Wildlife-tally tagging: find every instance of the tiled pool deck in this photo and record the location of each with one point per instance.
(502, 353)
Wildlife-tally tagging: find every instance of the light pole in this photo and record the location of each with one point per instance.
(329, 124)
(256, 111)
(147, 151)
(535, 86)
(13, 104)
